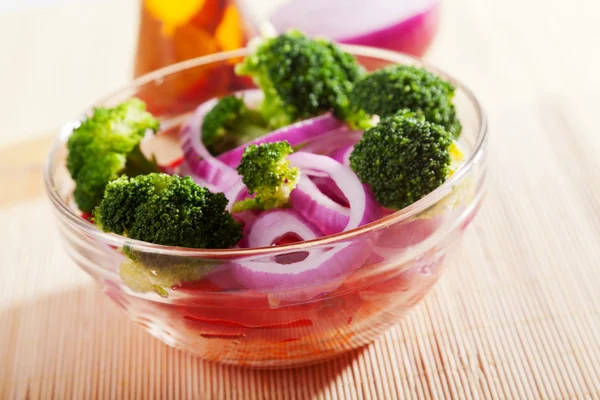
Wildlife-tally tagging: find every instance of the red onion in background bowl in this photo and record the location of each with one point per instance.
(407, 26)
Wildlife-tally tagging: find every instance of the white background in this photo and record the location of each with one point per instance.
(58, 56)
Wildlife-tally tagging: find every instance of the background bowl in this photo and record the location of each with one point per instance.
(374, 273)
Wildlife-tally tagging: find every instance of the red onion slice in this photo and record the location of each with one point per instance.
(330, 143)
(363, 206)
(310, 272)
(272, 225)
(199, 159)
(342, 155)
(203, 164)
(184, 169)
(305, 274)
(327, 186)
(295, 134)
(315, 206)
(235, 193)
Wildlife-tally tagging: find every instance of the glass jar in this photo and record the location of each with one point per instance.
(176, 30)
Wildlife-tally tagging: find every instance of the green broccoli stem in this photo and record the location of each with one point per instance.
(138, 164)
(359, 120)
(255, 204)
(249, 204)
(160, 273)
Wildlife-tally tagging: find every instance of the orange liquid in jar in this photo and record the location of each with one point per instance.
(177, 30)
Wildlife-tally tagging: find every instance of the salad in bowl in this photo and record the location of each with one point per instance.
(290, 205)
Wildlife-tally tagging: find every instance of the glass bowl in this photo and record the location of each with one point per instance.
(369, 276)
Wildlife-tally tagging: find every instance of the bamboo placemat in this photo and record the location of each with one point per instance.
(515, 316)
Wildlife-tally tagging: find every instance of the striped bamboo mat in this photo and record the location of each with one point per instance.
(517, 314)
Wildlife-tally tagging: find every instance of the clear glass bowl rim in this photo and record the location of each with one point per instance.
(401, 215)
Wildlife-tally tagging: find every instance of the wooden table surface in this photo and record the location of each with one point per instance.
(517, 314)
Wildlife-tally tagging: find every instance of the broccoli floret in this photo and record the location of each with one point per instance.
(229, 124)
(300, 77)
(168, 210)
(266, 171)
(388, 90)
(145, 272)
(403, 158)
(106, 145)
